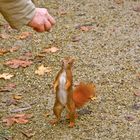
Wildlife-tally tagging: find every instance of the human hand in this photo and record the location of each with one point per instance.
(42, 20)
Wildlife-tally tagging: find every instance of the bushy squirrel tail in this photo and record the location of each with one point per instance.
(83, 93)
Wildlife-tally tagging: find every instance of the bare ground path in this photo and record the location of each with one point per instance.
(107, 52)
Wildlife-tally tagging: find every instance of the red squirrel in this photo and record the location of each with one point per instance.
(65, 96)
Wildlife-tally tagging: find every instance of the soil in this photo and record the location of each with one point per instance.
(107, 53)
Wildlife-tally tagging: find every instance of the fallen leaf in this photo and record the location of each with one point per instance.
(85, 27)
(40, 55)
(9, 121)
(47, 114)
(4, 36)
(137, 93)
(136, 106)
(42, 70)
(16, 63)
(26, 56)
(17, 118)
(6, 76)
(76, 38)
(37, 40)
(13, 49)
(25, 116)
(28, 133)
(39, 58)
(8, 87)
(3, 51)
(24, 35)
(93, 98)
(137, 8)
(11, 102)
(21, 120)
(52, 50)
(129, 118)
(17, 97)
(62, 12)
(119, 1)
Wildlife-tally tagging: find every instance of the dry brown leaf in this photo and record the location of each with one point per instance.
(6, 76)
(4, 36)
(40, 55)
(28, 133)
(51, 50)
(11, 101)
(136, 106)
(42, 70)
(137, 93)
(21, 120)
(129, 117)
(12, 49)
(137, 8)
(15, 48)
(8, 87)
(17, 118)
(9, 121)
(76, 38)
(85, 28)
(3, 51)
(16, 63)
(26, 56)
(62, 12)
(46, 114)
(119, 1)
(24, 35)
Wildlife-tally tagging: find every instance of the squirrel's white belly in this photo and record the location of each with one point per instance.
(62, 92)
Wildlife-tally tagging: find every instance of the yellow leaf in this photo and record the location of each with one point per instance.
(93, 98)
(119, 1)
(42, 70)
(17, 97)
(6, 76)
(52, 50)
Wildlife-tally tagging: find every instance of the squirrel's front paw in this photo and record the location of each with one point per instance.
(68, 84)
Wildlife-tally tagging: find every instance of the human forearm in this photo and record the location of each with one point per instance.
(17, 12)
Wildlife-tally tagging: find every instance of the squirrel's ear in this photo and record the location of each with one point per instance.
(62, 62)
(72, 60)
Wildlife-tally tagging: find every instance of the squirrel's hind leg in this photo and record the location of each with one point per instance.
(57, 109)
(71, 110)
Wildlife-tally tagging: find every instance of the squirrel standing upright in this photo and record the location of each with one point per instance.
(65, 96)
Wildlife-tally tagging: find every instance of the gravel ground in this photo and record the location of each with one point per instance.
(107, 54)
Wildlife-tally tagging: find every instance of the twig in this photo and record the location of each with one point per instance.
(20, 109)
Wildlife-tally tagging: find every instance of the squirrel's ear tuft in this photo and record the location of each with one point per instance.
(72, 60)
(62, 62)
